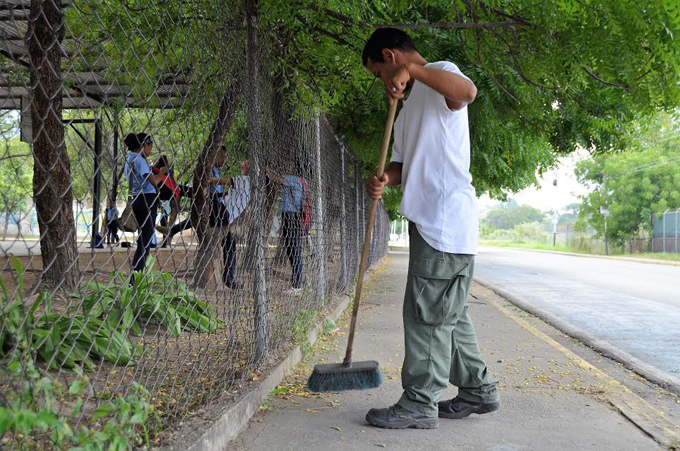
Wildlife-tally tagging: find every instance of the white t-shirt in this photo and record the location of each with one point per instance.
(237, 198)
(433, 143)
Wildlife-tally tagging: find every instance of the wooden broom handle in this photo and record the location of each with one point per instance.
(369, 230)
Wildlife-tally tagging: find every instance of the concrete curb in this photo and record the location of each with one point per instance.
(649, 261)
(215, 435)
(607, 349)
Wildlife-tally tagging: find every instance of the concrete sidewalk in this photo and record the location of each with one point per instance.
(552, 399)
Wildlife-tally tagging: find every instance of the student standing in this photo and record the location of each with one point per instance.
(431, 160)
(112, 215)
(292, 200)
(142, 184)
(235, 202)
(219, 217)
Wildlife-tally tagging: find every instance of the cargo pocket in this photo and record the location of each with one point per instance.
(437, 290)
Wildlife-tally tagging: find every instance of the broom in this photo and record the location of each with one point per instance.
(350, 375)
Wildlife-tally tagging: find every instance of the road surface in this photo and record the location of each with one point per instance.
(632, 307)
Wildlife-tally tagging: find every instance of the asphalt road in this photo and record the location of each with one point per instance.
(631, 307)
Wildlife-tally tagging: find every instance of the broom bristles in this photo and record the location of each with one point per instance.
(337, 377)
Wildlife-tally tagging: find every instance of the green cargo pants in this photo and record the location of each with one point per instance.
(440, 341)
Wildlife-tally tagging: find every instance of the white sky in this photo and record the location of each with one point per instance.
(547, 196)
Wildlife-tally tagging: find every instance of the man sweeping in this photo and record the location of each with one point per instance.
(431, 160)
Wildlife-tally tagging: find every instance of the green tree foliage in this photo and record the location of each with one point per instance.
(633, 186)
(562, 75)
(511, 216)
(392, 200)
(569, 214)
(551, 76)
(16, 181)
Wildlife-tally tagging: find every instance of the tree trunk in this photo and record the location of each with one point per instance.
(52, 170)
(4, 232)
(200, 209)
(18, 221)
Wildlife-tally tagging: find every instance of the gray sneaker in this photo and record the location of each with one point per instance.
(457, 408)
(396, 417)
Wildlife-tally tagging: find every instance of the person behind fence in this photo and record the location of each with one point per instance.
(431, 161)
(168, 194)
(292, 206)
(216, 193)
(142, 184)
(235, 202)
(185, 191)
(112, 215)
(219, 217)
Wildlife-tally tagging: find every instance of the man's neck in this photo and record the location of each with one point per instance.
(414, 58)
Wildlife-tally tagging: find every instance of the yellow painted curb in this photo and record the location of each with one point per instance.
(630, 405)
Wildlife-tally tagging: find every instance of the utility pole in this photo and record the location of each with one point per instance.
(556, 215)
(605, 213)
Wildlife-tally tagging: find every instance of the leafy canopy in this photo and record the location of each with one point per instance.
(551, 76)
(511, 216)
(633, 186)
(564, 74)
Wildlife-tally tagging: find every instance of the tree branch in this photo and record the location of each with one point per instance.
(456, 25)
(608, 83)
(339, 39)
(513, 55)
(514, 17)
(336, 15)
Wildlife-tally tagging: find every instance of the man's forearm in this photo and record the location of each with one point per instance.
(393, 172)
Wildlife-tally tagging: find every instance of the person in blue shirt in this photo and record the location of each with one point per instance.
(292, 204)
(142, 183)
(112, 223)
(219, 217)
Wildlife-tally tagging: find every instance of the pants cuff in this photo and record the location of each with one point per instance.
(475, 397)
(418, 407)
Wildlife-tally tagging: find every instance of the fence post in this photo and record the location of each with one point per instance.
(362, 230)
(320, 232)
(257, 183)
(663, 234)
(357, 188)
(676, 230)
(343, 222)
(114, 163)
(97, 184)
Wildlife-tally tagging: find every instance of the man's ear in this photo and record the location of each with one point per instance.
(388, 56)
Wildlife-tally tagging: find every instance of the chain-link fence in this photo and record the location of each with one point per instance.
(666, 232)
(173, 219)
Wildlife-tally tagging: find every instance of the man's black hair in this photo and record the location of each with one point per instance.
(386, 38)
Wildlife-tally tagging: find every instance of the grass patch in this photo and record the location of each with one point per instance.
(562, 248)
(658, 256)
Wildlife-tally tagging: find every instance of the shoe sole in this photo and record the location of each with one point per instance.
(479, 410)
(424, 423)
